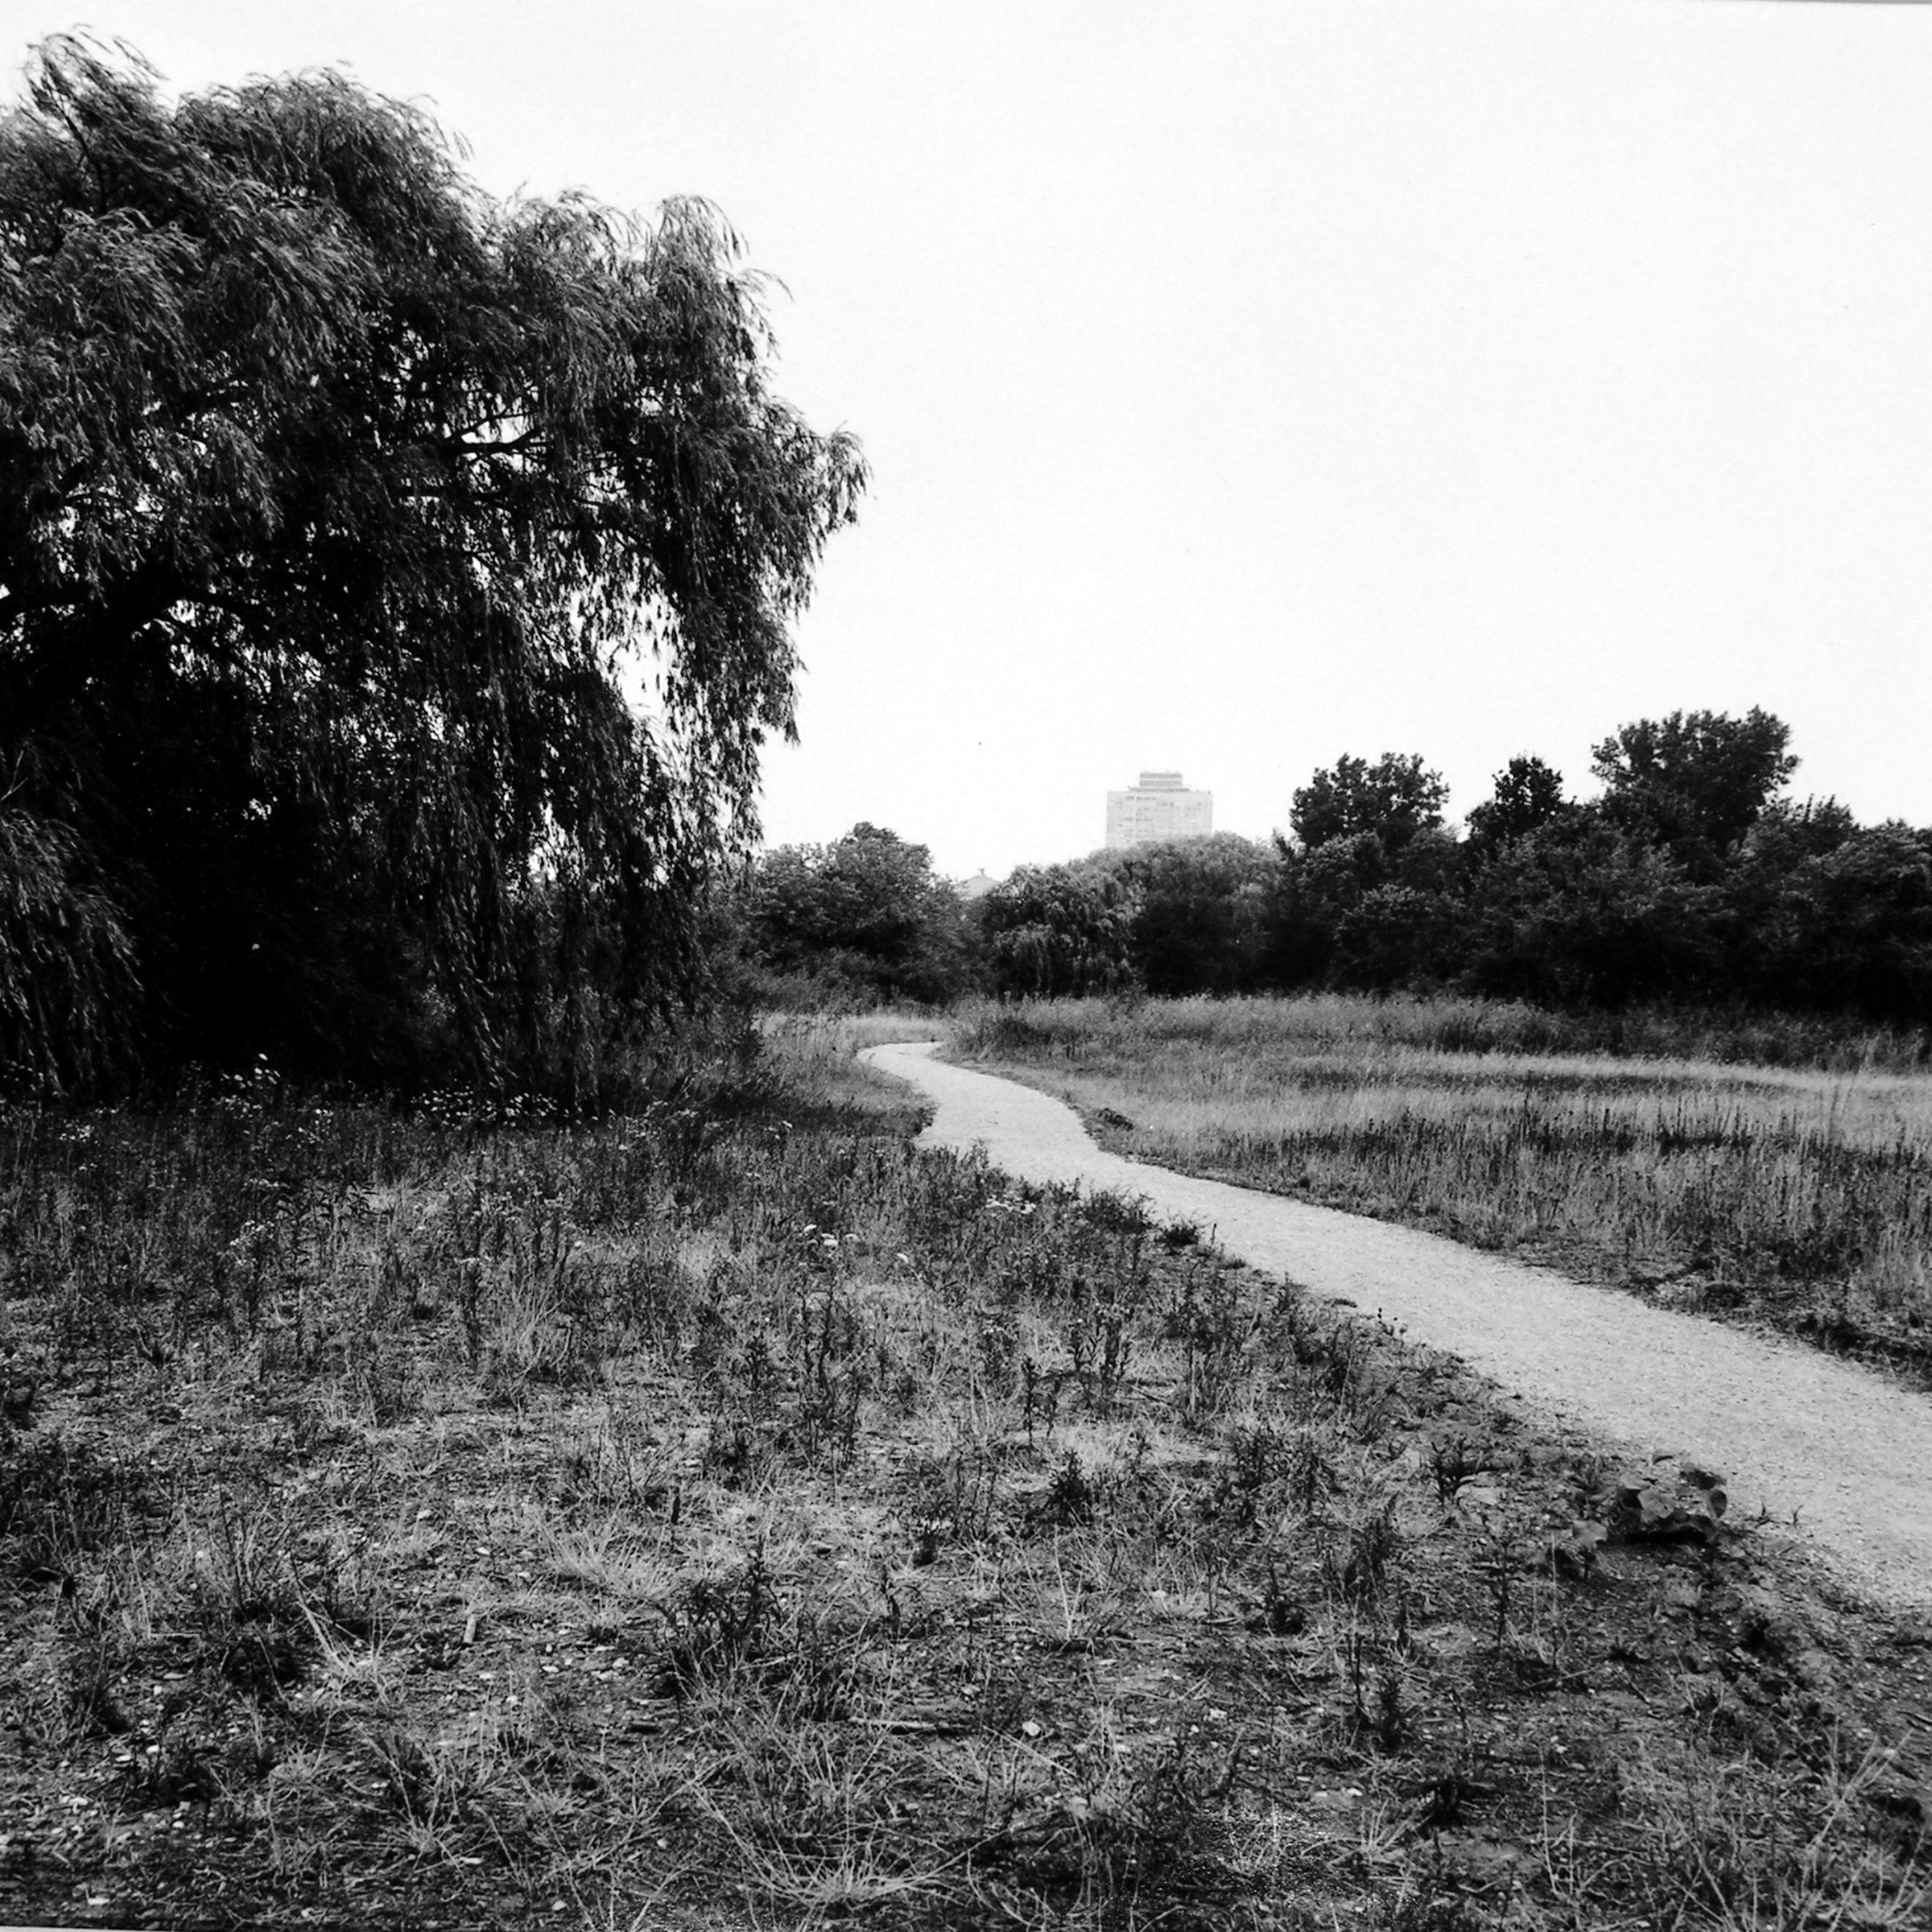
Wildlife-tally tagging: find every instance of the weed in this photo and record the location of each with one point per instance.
(1361, 1570)
(1071, 1498)
(1454, 1464)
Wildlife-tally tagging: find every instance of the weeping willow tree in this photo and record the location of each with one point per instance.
(396, 586)
(66, 967)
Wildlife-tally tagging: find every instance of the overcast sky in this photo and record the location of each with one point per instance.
(1247, 385)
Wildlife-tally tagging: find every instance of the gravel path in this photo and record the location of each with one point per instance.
(1792, 1430)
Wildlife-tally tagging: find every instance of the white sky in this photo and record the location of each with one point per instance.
(1248, 384)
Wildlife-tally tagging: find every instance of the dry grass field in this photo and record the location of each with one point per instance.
(1800, 1196)
(726, 1517)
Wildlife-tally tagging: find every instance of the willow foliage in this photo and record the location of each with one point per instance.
(66, 968)
(339, 502)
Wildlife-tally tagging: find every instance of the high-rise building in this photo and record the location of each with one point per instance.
(1158, 808)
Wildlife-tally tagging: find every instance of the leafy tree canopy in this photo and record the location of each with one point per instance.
(1202, 911)
(1578, 912)
(1060, 929)
(1696, 780)
(1528, 793)
(1394, 799)
(867, 909)
(338, 501)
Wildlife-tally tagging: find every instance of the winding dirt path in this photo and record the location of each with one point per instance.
(1792, 1430)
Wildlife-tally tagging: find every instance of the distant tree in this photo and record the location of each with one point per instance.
(1695, 782)
(1528, 793)
(1393, 935)
(1351, 911)
(1336, 874)
(1394, 799)
(1869, 943)
(335, 497)
(1822, 914)
(1770, 894)
(1581, 913)
(1060, 929)
(1315, 888)
(1812, 829)
(1203, 910)
(866, 914)
(1433, 861)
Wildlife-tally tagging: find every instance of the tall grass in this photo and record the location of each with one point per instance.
(1798, 1194)
(1446, 1023)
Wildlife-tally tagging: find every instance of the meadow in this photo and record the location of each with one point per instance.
(725, 1516)
(1650, 1152)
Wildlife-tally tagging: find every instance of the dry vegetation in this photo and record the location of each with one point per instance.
(1792, 1194)
(726, 1515)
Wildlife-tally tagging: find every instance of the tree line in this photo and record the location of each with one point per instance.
(1692, 875)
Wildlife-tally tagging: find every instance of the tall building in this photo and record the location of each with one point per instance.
(1159, 807)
